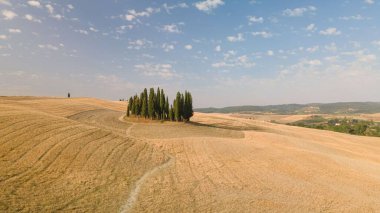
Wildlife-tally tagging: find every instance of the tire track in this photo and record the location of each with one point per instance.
(133, 195)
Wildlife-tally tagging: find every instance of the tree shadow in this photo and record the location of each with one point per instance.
(227, 127)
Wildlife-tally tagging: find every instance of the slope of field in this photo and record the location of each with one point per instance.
(85, 157)
(279, 168)
(50, 163)
(61, 106)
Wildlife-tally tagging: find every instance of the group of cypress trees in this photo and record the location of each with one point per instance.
(155, 106)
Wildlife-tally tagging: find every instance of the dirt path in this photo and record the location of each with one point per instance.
(132, 198)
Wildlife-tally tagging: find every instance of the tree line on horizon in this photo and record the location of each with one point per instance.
(155, 106)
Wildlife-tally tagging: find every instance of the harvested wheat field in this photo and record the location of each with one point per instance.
(82, 155)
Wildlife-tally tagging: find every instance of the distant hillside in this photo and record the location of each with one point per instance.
(330, 108)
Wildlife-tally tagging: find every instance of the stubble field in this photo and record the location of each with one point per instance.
(82, 155)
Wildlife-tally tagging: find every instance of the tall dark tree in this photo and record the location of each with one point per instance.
(177, 107)
(137, 105)
(181, 106)
(157, 104)
(162, 104)
(133, 109)
(151, 104)
(144, 105)
(167, 108)
(129, 106)
(171, 113)
(188, 106)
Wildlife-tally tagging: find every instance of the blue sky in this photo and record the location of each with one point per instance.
(225, 52)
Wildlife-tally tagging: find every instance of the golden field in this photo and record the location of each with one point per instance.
(82, 155)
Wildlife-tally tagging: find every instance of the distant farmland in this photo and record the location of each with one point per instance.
(330, 108)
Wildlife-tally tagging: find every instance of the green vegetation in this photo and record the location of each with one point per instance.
(330, 108)
(344, 125)
(156, 106)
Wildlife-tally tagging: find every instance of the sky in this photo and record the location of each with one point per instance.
(226, 53)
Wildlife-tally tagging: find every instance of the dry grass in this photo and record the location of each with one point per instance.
(91, 161)
(280, 169)
(50, 163)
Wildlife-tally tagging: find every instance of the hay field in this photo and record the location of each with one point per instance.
(81, 155)
(52, 163)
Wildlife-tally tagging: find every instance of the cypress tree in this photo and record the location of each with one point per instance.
(171, 113)
(142, 111)
(129, 106)
(144, 107)
(157, 104)
(133, 110)
(162, 104)
(137, 105)
(177, 107)
(188, 107)
(151, 106)
(167, 108)
(181, 108)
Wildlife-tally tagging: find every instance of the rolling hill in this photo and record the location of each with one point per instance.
(321, 108)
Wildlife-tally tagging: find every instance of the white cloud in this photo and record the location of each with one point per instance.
(70, 6)
(218, 48)
(254, 19)
(48, 46)
(331, 47)
(376, 43)
(208, 5)
(84, 32)
(262, 34)
(15, 31)
(34, 3)
(121, 29)
(3, 37)
(330, 31)
(171, 28)
(297, 12)
(93, 29)
(31, 18)
(188, 47)
(57, 16)
(361, 56)
(313, 63)
(129, 17)
(8, 15)
(50, 8)
(133, 14)
(234, 62)
(270, 53)
(139, 44)
(311, 27)
(312, 49)
(369, 1)
(165, 71)
(5, 2)
(238, 37)
(172, 7)
(355, 18)
(167, 47)
(368, 58)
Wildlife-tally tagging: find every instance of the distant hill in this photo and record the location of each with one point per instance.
(329, 108)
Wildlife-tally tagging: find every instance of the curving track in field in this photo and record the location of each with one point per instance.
(93, 161)
(50, 163)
